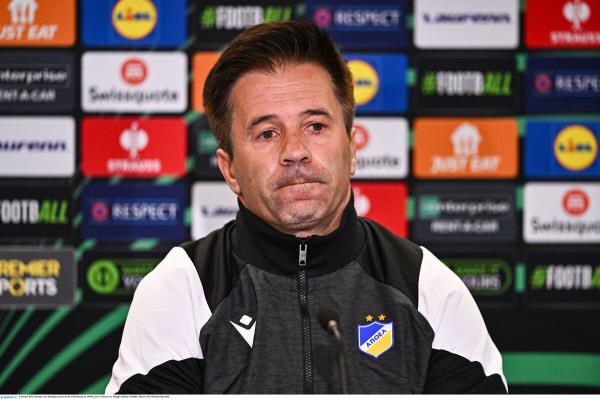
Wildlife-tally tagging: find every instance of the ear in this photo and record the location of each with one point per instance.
(225, 162)
(352, 151)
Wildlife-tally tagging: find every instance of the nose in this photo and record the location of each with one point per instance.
(294, 150)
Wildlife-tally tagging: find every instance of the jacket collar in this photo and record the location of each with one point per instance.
(261, 245)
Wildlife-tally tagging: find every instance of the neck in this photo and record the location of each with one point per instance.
(264, 246)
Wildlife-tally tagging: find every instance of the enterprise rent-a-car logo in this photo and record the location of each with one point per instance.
(475, 212)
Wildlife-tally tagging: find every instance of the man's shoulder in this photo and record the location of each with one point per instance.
(391, 259)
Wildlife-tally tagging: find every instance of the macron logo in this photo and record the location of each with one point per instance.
(246, 328)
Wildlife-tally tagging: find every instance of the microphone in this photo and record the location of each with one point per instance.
(328, 319)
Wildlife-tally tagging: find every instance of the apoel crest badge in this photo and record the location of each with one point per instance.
(377, 337)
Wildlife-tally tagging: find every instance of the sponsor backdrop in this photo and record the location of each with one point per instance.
(478, 126)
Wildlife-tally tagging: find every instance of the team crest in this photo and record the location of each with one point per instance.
(376, 337)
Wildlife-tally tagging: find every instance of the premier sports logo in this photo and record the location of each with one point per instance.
(377, 337)
(134, 19)
(44, 278)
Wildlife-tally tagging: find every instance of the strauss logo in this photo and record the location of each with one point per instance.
(576, 12)
(133, 140)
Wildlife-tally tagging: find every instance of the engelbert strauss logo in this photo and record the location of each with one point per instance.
(377, 337)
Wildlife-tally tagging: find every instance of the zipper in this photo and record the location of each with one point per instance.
(306, 335)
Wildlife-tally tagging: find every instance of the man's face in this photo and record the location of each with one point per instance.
(292, 156)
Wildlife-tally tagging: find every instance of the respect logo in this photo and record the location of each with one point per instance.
(575, 147)
(134, 19)
(365, 81)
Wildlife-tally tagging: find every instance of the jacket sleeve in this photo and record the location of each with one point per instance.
(463, 358)
(160, 350)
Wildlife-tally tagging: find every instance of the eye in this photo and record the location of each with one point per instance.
(266, 135)
(317, 127)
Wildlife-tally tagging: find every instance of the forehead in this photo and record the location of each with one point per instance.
(288, 90)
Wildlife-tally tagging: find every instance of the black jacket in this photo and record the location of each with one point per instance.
(236, 312)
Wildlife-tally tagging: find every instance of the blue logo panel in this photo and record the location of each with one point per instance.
(375, 338)
(561, 84)
(379, 82)
(358, 25)
(131, 211)
(156, 23)
(559, 149)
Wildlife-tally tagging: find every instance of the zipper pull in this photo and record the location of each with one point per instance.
(302, 254)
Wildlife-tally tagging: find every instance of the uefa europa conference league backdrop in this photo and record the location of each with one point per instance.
(477, 132)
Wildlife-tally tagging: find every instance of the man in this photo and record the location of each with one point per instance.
(236, 311)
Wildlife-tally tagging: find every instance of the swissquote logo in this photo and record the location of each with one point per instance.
(134, 71)
(134, 82)
(561, 212)
(576, 12)
(37, 22)
(575, 202)
(381, 148)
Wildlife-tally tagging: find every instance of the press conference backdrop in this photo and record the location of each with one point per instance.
(477, 131)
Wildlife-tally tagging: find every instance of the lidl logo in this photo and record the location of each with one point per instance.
(134, 71)
(156, 23)
(365, 81)
(575, 202)
(576, 147)
(379, 82)
(562, 148)
(134, 19)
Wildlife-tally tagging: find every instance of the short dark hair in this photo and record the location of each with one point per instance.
(267, 48)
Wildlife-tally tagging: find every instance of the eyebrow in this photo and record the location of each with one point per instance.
(309, 112)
